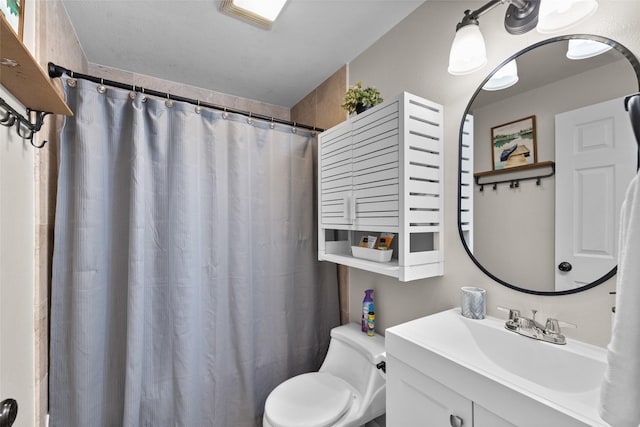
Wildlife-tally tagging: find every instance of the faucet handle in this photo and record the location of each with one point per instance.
(514, 314)
(552, 326)
(514, 318)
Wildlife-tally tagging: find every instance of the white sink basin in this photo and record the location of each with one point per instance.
(564, 377)
(571, 368)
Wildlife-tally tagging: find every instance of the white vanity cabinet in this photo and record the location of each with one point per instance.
(414, 399)
(381, 171)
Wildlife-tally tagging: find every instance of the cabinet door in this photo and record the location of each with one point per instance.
(415, 400)
(376, 168)
(484, 418)
(335, 170)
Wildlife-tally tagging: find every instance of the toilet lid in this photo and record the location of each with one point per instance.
(310, 400)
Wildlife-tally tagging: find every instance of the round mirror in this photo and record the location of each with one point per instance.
(545, 159)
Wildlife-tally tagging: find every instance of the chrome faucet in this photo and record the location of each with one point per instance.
(531, 328)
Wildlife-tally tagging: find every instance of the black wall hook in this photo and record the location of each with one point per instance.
(26, 127)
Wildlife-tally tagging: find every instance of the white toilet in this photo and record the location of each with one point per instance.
(349, 389)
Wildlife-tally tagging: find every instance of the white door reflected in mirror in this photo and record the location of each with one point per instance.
(593, 170)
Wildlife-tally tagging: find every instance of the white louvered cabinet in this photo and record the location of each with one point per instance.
(381, 171)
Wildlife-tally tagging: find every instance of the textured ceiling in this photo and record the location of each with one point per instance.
(191, 42)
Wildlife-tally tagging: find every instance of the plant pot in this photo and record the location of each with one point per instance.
(360, 108)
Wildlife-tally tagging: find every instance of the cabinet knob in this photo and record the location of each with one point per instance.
(455, 421)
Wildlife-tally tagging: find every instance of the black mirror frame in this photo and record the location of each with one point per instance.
(636, 67)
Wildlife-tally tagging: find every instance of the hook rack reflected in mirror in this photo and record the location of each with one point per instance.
(516, 175)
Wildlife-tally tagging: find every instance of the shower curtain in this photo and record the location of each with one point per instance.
(185, 278)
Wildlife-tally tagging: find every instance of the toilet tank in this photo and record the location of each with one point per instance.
(353, 356)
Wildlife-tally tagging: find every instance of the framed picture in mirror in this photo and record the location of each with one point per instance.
(513, 144)
(14, 14)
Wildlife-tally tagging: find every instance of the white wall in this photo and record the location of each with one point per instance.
(413, 56)
(17, 246)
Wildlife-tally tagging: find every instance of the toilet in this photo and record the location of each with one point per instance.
(348, 390)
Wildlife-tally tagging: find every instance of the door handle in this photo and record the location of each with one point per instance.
(565, 266)
(8, 412)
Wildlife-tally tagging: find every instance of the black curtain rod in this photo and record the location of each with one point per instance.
(56, 71)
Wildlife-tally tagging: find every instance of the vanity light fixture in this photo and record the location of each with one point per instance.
(468, 51)
(260, 12)
(505, 77)
(584, 48)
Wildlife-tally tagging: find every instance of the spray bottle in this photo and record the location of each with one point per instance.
(367, 306)
(371, 328)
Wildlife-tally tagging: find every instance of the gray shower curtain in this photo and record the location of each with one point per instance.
(185, 278)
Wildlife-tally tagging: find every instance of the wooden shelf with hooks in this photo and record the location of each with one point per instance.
(23, 77)
(515, 174)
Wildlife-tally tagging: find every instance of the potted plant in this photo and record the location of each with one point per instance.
(357, 99)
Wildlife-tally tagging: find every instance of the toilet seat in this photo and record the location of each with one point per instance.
(311, 400)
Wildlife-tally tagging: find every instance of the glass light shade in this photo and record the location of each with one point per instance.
(505, 77)
(582, 48)
(558, 15)
(468, 52)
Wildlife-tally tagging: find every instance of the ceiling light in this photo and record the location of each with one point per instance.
(583, 48)
(260, 12)
(558, 15)
(468, 52)
(505, 77)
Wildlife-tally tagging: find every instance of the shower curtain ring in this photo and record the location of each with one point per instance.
(272, 125)
(101, 88)
(144, 97)
(168, 102)
(198, 109)
(225, 114)
(132, 94)
(294, 129)
(249, 120)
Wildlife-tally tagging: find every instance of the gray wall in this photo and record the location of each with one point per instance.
(413, 56)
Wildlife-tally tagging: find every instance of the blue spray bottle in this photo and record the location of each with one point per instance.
(367, 306)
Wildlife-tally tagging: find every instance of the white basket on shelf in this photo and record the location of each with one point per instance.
(377, 255)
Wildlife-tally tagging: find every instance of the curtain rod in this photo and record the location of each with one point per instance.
(56, 71)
